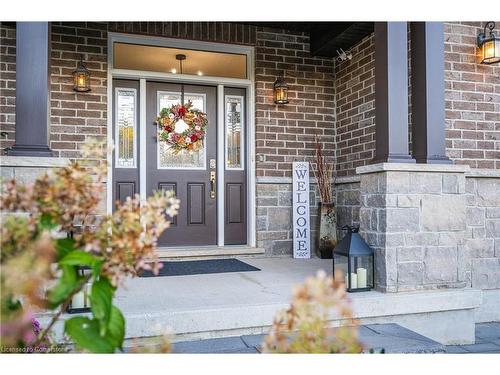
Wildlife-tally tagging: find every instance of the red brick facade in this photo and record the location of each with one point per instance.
(355, 108)
(322, 93)
(472, 92)
(472, 99)
(287, 133)
(7, 84)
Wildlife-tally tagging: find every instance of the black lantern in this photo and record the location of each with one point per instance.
(81, 78)
(80, 303)
(354, 258)
(489, 43)
(280, 91)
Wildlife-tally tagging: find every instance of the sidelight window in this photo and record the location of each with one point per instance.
(234, 125)
(126, 128)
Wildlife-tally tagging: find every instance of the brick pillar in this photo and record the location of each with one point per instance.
(414, 216)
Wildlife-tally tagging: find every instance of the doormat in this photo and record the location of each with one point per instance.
(199, 267)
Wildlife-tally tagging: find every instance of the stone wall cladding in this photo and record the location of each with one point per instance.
(416, 223)
(481, 253)
(274, 218)
(286, 133)
(348, 203)
(472, 99)
(355, 108)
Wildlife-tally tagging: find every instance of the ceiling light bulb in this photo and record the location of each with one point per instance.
(173, 71)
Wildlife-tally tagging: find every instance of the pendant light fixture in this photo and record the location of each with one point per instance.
(181, 57)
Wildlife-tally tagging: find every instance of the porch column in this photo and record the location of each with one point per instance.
(427, 92)
(32, 89)
(391, 93)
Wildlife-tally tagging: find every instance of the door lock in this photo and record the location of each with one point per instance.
(212, 184)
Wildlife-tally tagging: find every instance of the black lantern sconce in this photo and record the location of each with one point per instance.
(489, 43)
(81, 78)
(354, 258)
(280, 89)
(80, 303)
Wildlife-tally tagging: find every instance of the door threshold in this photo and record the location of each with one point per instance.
(204, 252)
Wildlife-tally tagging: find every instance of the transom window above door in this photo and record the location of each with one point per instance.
(163, 59)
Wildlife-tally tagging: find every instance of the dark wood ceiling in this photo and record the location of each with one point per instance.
(326, 37)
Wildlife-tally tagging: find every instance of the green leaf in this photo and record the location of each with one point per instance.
(47, 222)
(100, 302)
(96, 268)
(85, 334)
(64, 246)
(65, 286)
(116, 327)
(79, 258)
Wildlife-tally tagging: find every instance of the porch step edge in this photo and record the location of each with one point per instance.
(212, 252)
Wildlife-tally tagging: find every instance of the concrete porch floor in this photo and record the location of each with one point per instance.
(243, 303)
(219, 305)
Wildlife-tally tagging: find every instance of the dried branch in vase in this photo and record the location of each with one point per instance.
(324, 173)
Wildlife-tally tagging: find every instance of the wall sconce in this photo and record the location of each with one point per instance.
(489, 44)
(280, 91)
(81, 78)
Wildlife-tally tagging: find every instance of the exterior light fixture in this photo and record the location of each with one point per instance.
(81, 78)
(354, 258)
(173, 71)
(489, 43)
(280, 91)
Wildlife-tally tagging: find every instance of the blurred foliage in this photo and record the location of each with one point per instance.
(51, 229)
(304, 328)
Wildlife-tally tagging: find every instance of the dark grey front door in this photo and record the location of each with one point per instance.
(187, 174)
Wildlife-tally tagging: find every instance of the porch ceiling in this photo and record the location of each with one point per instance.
(326, 37)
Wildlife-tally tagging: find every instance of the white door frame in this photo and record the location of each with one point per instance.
(220, 83)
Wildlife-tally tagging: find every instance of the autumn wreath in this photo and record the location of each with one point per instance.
(182, 127)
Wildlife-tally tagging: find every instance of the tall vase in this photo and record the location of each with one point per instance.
(327, 230)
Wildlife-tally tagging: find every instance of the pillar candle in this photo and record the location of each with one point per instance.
(78, 300)
(354, 281)
(361, 277)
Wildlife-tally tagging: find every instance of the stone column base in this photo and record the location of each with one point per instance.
(414, 216)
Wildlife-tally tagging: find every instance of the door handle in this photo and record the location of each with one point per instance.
(212, 184)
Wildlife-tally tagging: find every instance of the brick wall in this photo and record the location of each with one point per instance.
(77, 116)
(286, 133)
(472, 99)
(355, 108)
(7, 83)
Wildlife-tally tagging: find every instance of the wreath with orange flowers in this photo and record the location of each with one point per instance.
(182, 127)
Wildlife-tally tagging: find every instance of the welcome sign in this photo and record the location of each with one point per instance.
(301, 224)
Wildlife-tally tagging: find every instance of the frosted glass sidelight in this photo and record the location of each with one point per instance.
(126, 128)
(234, 131)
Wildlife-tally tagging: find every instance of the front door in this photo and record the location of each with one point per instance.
(190, 175)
